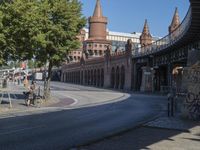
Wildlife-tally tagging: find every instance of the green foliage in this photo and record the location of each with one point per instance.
(59, 24)
(17, 28)
(46, 29)
(31, 64)
(2, 41)
(43, 29)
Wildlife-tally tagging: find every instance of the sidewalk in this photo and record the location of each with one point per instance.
(163, 133)
(18, 102)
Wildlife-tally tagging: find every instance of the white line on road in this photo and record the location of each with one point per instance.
(75, 100)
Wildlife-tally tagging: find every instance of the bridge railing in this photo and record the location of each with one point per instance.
(166, 41)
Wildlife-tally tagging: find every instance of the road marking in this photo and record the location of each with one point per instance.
(75, 101)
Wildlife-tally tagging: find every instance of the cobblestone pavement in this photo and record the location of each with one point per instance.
(161, 134)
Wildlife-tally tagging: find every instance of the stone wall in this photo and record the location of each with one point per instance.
(191, 84)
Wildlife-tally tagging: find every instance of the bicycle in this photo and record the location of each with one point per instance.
(33, 99)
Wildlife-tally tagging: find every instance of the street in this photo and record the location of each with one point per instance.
(67, 128)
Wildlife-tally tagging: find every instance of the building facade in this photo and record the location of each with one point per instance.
(150, 66)
(94, 41)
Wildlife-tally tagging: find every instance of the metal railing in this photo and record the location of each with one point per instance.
(166, 41)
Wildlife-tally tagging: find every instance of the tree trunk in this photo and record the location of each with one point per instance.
(47, 84)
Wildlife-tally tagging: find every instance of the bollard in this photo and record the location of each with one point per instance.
(4, 85)
(170, 105)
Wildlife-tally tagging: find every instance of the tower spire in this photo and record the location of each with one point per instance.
(97, 23)
(175, 21)
(145, 37)
(97, 10)
(146, 28)
(97, 38)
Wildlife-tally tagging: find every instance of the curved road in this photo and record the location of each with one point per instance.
(64, 129)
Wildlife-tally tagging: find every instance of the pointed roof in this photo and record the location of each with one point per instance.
(98, 10)
(145, 38)
(175, 20)
(146, 28)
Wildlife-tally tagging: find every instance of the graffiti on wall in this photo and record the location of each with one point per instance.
(193, 105)
(193, 92)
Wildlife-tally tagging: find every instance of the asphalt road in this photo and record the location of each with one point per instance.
(62, 130)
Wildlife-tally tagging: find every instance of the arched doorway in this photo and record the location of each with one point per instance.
(112, 78)
(81, 77)
(69, 78)
(122, 80)
(95, 77)
(85, 77)
(89, 77)
(102, 77)
(98, 77)
(72, 77)
(65, 77)
(117, 78)
(92, 78)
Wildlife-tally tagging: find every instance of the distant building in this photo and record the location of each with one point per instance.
(117, 39)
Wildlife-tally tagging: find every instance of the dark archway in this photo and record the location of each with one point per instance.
(138, 76)
(69, 78)
(162, 77)
(85, 77)
(117, 78)
(75, 77)
(112, 78)
(89, 77)
(74, 74)
(122, 80)
(81, 77)
(92, 77)
(66, 77)
(102, 77)
(98, 77)
(95, 77)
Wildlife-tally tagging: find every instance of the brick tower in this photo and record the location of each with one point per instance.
(97, 42)
(145, 38)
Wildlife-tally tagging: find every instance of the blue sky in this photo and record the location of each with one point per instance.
(129, 15)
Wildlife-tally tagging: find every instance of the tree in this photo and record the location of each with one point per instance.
(59, 24)
(2, 42)
(46, 29)
(18, 23)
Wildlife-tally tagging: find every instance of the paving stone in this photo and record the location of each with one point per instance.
(176, 123)
(161, 134)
